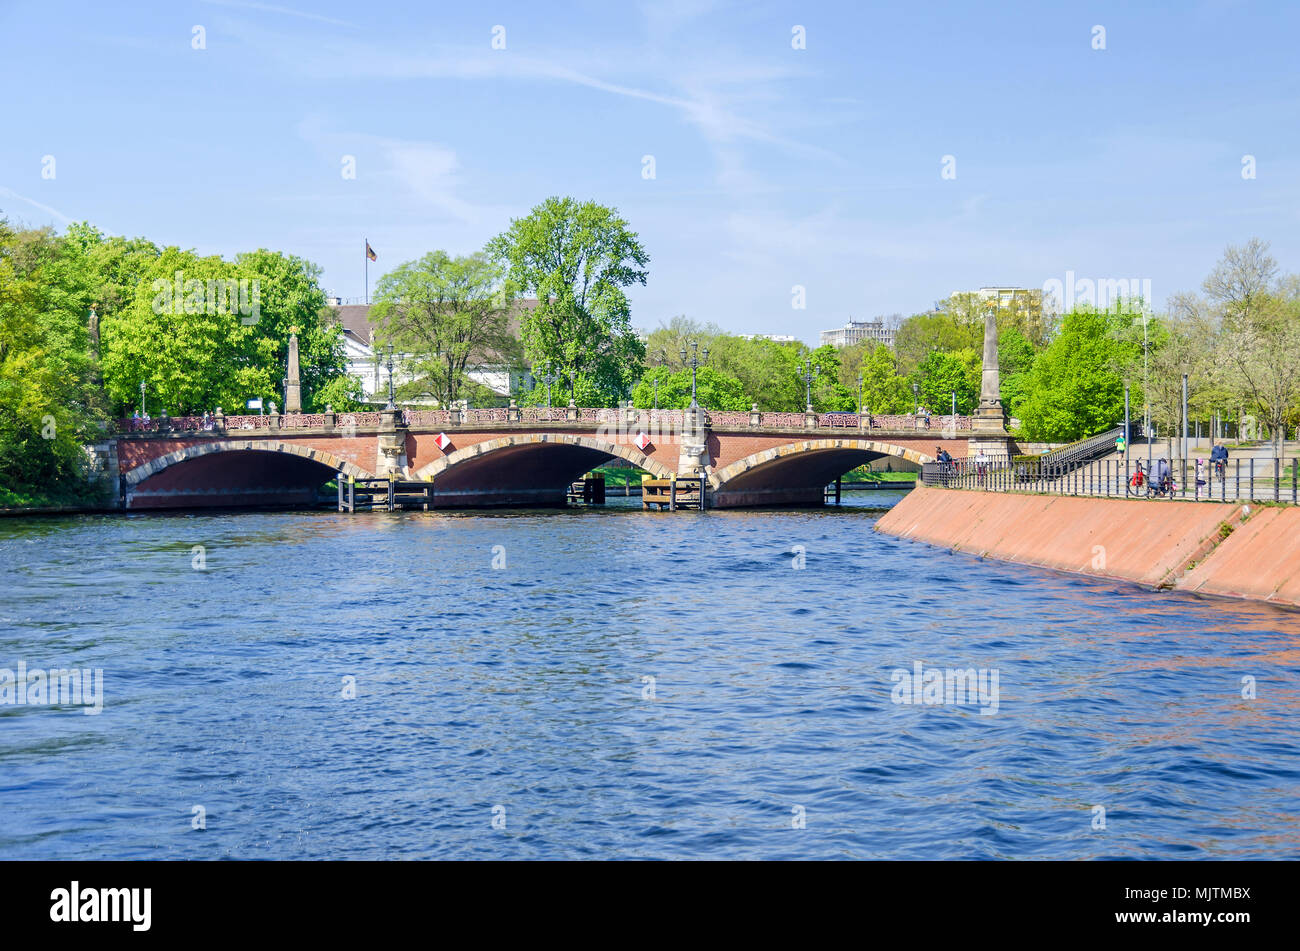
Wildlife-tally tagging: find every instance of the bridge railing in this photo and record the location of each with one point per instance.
(1265, 479)
(496, 416)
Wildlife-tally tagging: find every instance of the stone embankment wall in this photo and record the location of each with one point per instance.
(1224, 549)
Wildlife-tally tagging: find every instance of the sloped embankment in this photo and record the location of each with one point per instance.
(1154, 543)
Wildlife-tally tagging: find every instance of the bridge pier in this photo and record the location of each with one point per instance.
(694, 458)
(390, 449)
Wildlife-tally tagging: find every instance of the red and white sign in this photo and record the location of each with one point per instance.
(443, 441)
(642, 440)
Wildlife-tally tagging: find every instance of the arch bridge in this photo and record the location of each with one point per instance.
(511, 457)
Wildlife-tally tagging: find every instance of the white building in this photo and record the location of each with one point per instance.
(359, 347)
(856, 331)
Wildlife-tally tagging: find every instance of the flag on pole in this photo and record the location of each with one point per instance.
(370, 252)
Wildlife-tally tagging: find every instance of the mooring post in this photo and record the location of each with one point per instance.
(838, 480)
(352, 493)
(672, 492)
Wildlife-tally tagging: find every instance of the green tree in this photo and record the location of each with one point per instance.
(1075, 389)
(941, 374)
(447, 314)
(884, 390)
(46, 399)
(715, 390)
(576, 258)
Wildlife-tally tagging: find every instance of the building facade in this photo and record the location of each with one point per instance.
(369, 367)
(857, 331)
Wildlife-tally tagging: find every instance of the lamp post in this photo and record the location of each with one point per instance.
(694, 362)
(916, 396)
(392, 404)
(548, 376)
(808, 372)
(859, 394)
(142, 397)
(954, 407)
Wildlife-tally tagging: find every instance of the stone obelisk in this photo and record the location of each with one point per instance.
(293, 388)
(989, 427)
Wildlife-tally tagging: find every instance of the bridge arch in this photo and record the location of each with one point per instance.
(797, 472)
(525, 468)
(233, 473)
(137, 475)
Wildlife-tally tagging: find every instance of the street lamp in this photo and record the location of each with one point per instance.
(142, 397)
(916, 395)
(392, 404)
(548, 376)
(808, 372)
(694, 363)
(859, 394)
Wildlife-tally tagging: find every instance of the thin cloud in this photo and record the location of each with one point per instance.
(54, 212)
(271, 8)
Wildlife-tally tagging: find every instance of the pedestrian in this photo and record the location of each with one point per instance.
(981, 465)
(1164, 476)
(1120, 444)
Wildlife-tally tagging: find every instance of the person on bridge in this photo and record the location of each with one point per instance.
(1120, 444)
(1164, 477)
(981, 465)
(1219, 460)
(945, 463)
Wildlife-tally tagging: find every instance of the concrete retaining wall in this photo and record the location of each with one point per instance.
(1155, 543)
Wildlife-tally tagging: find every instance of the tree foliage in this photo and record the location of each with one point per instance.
(576, 258)
(445, 314)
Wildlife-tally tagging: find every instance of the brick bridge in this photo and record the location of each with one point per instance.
(510, 456)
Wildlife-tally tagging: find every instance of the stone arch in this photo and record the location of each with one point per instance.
(155, 466)
(767, 457)
(460, 456)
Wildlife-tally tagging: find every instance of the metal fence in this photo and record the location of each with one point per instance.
(1253, 479)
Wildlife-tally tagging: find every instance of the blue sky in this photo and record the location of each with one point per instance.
(774, 166)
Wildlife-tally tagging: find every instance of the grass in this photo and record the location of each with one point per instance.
(86, 495)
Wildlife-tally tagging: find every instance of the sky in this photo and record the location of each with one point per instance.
(876, 156)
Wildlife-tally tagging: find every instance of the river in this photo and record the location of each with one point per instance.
(623, 684)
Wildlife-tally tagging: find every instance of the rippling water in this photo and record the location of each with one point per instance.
(520, 694)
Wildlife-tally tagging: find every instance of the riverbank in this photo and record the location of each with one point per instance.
(1230, 550)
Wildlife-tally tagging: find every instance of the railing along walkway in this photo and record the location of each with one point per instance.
(1251, 479)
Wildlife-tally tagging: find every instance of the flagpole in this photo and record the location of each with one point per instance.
(367, 272)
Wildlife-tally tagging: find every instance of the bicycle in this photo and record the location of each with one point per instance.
(1138, 484)
(1164, 489)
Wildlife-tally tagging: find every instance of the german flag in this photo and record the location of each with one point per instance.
(370, 252)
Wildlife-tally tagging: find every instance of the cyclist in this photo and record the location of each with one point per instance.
(1219, 458)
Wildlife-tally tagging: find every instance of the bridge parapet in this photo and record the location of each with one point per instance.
(528, 416)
